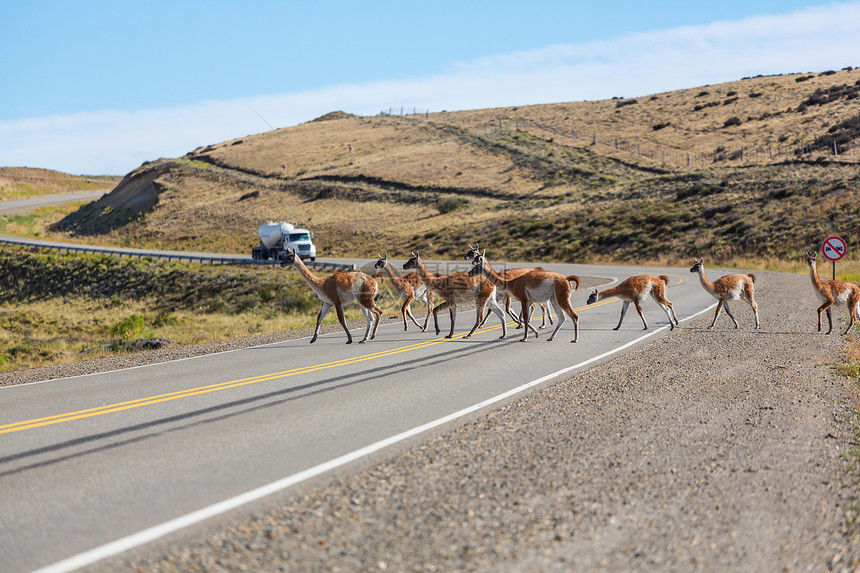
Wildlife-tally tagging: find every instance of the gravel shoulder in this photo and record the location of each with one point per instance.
(704, 450)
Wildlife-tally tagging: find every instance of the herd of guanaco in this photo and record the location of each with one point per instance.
(531, 287)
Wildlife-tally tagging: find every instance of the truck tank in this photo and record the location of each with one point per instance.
(271, 233)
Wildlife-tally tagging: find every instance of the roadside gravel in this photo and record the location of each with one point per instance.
(704, 450)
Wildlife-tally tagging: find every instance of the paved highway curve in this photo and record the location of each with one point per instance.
(94, 465)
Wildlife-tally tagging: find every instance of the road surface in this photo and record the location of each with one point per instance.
(93, 465)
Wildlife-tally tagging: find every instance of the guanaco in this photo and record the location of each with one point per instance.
(458, 287)
(729, 287)
(636, 289)
(409, 287)
(832, 292)
(337, 290)
(537, 286)
(509, 274)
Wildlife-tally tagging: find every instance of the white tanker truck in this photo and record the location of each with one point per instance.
(278, 238)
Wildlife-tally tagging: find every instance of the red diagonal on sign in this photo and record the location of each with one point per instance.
(836, 245)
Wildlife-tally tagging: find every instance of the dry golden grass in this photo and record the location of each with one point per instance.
(370, 184)
(58, 331)
(767, 107)
(23, 182)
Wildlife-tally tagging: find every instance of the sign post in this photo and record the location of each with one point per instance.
(833, 249)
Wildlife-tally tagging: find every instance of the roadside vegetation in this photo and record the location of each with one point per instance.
(57, 308)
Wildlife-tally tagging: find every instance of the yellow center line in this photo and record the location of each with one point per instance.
(149, 400)
(160, 398)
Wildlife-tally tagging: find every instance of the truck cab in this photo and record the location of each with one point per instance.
(302, 241)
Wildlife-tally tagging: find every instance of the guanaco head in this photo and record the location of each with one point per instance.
(380, 264)
(289, 258)
(810, 259)
(697, 265)
(473, 252)
(477, 264)
(593, 297)
(413, 262)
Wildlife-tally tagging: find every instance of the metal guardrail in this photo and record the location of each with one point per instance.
(175, 256)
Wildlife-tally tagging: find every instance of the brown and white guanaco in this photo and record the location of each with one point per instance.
(833, 292)
(409, 287)
(636, 289)
(510, 273)
(338, 290)
(729, 287)
(456, 288)
(535, 287)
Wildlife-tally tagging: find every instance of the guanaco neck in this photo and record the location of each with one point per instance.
(390, 270)
(493, 276)
(708, 285)
(607, 293)
(422, 272)
(306, 273)
(813, 274)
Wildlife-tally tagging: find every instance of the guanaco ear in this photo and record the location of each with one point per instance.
(594, 291)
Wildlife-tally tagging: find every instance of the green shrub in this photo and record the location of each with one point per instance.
(450, 204)
(130, 328)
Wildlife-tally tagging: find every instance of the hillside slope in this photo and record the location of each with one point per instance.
(23, 182)
(761, 166)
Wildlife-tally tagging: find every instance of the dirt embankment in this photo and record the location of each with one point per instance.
(706, 450)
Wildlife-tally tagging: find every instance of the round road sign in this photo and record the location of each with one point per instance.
(834, 248)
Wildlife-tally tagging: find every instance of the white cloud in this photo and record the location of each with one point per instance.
(813, 39)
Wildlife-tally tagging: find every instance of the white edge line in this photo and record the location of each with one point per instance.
(151, 534)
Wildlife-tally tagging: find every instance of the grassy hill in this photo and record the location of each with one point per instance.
(763, 166)
(23, 182)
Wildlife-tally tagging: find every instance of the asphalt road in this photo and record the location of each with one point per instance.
(88, 461)
(31, 203)
(94, 465)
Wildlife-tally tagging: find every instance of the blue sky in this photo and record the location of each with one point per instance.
(100, 87)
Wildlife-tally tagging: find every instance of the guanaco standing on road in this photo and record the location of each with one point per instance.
(636, 289)
(535, 287)
(409, 287)
(455, 288)
(832, 292)
(729, 287)
(509, 274)
(337, 290)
